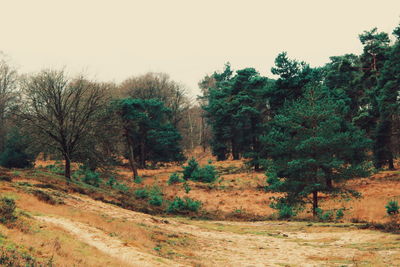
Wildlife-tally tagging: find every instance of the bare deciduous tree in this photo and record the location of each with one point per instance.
(8, 82)
(61, 110)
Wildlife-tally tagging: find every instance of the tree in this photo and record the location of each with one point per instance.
(8, 83)
(310, 144)
(388, 99)
(61, 111)
(149, 133)
(16, 153)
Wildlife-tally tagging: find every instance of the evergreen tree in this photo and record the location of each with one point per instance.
(310, 146)
(149, 132)
(388, 91)
(16, 152)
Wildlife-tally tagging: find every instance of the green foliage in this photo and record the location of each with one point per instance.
(174, 179)
(285, 211)
(392, 207)
(311, 145)
(148, 122)
(138, 180)
(155, 200)
(16, 151)
(141, 193)
(206, 174)
(190, 168)
(111, 182)
(7, 210)
(325, 216)
(56, 168)
(91, 177)
(183, 206)
(340, 214)
(186, 187)
(193, 171)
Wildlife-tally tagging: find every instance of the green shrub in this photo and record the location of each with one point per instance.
(190, 168)
(324, 216)
(186, 187)
(174, 179)
(156, 200)
(91, 178)
(141, 193)
(138, 180)
(392, 207)
(11, 257)
(121, 187)
(339, 214)
(7, 210)
(111, 181)
(206, 174)
(285, 211)
(57, 169)
(183, 206)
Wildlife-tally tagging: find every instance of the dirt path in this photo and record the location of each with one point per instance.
(108, 245)
(238, 243)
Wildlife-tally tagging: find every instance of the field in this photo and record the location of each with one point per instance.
(73, 224)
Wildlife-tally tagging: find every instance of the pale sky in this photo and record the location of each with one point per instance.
(112, 40)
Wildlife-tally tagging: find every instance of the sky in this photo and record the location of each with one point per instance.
(111, 40)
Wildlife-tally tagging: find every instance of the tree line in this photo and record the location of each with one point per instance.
(147, 119)
(310, 127)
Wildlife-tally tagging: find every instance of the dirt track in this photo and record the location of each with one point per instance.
(237, 243)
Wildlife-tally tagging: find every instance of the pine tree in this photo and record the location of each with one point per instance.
(312, 147)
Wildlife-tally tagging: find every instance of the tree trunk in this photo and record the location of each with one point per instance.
(142, 154)
(315, 203)
(67, 171)
(235, 153)
(131, 156)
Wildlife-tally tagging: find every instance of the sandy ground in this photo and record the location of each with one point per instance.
(225, 243)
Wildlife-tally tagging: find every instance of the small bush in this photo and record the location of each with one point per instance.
(121, 187)
(11, 257)
(285, 211)
(7, 210)
(186, 187)
(156, 200)
(207, 174)
(138, 180)
(141, 193)
(340, 214)
(46, 197)
(190, 168)
(111, 182)
(392, 208)
(183, 206)
(174, 179)
(90, 177)
(325, 216)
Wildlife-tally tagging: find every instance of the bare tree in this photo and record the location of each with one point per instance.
(8, 83)
(60, 110)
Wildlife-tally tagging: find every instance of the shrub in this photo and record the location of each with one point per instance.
(45, 197)
(11, 257)
(174, 179)
(88, 176)
(183, 206)
(186, 187)
(111, 181)
(141, 193)
(190, 168)
(138, 180)
(392, 207)
(285, 211)
(339, 214)
(7, 210)
(325, 216)
(207, 174)
(156, 200)
(54, 168)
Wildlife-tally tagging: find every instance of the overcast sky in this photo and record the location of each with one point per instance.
(112, 40)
